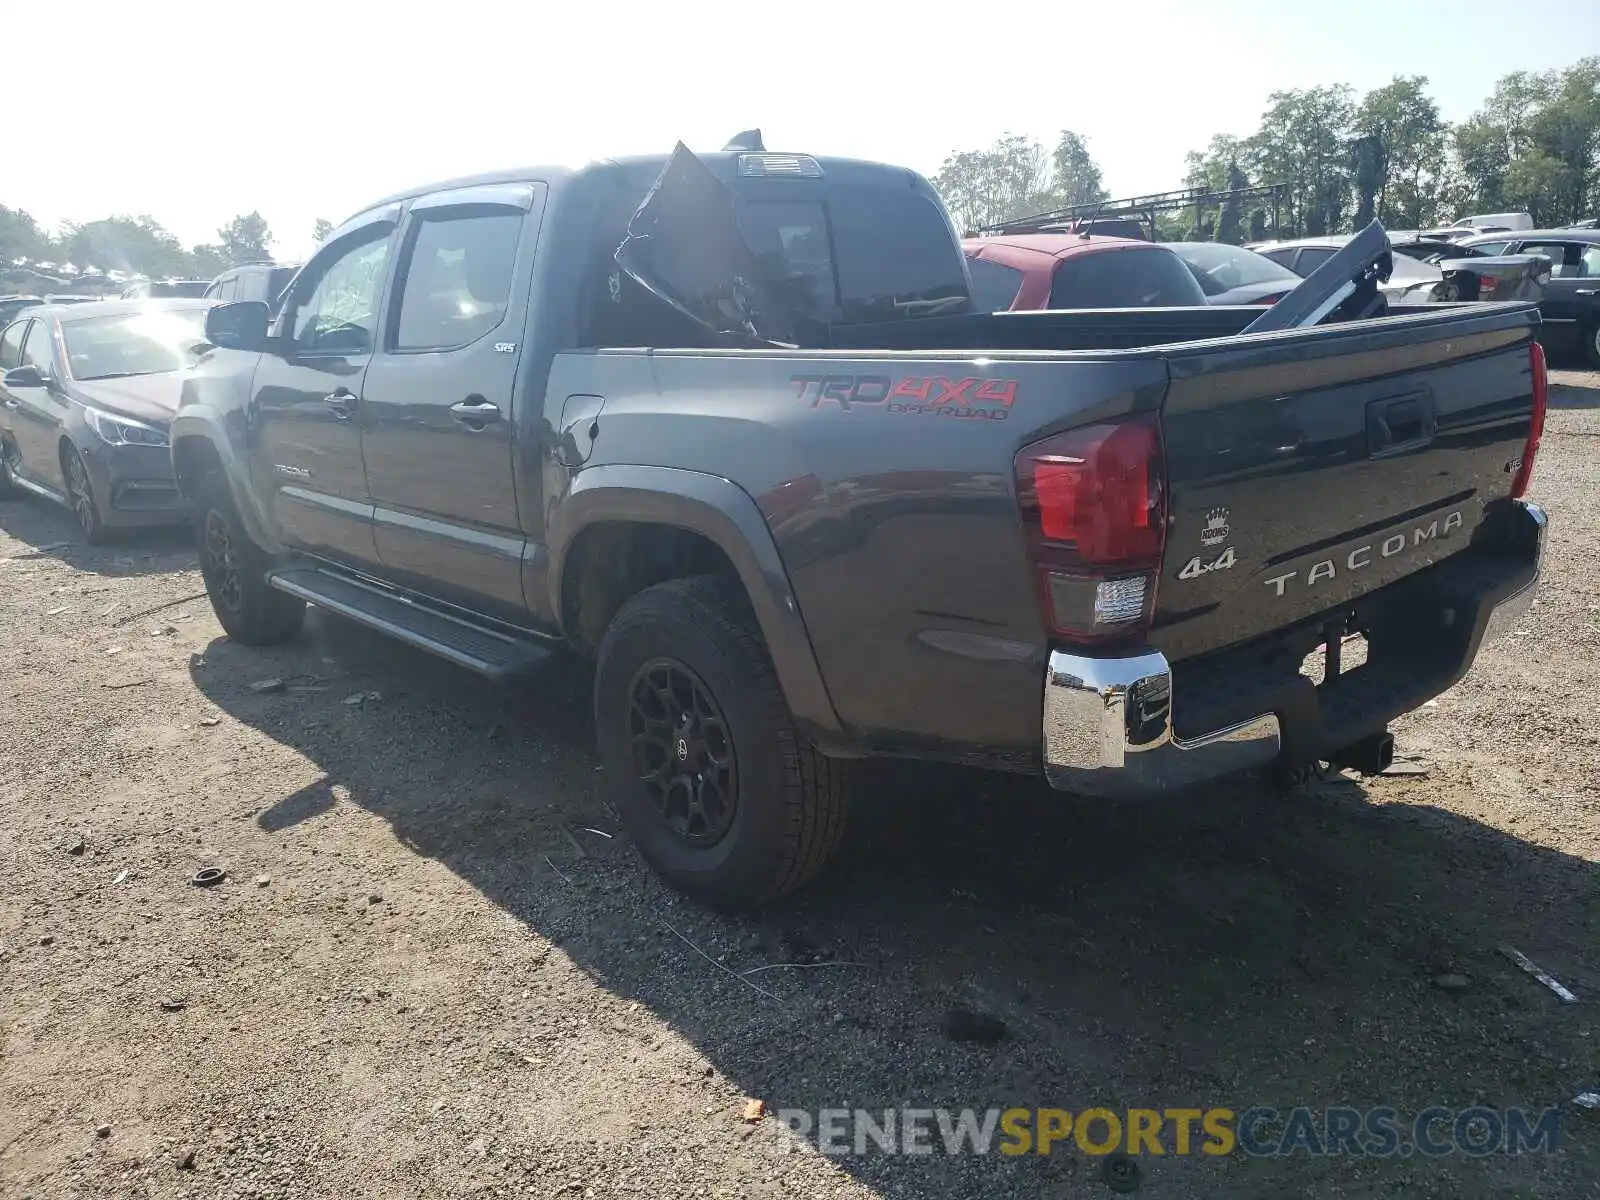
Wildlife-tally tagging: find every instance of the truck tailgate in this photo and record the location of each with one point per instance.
(1310, 468)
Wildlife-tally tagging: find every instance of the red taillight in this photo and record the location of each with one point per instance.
(1269, 300)
(1541, 401)
(1095, 510)
(1487, 285)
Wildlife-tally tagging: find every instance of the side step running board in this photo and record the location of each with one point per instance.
(488, 652)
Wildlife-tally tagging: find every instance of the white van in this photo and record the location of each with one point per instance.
(1498, 220)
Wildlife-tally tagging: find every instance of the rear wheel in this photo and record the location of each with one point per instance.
(705, 765)
(235, 571)
(80, 495)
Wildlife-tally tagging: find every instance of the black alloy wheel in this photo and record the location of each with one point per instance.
(80, 496)
(221, 563)
(683, 752)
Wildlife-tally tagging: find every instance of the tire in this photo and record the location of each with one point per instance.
(235, 571)
(8, 483)
(1591, 346)
(80, 496)
(789, 802)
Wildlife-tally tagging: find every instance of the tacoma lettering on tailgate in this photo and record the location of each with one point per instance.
(969, 398)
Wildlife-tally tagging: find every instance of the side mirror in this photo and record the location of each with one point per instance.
(23, 377)
(240, 325)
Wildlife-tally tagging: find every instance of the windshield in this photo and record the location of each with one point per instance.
(1220, 267)
(139, 343)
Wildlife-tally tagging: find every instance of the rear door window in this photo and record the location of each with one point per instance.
(1124, 278)
(1563, 257)
(1312, 257)
(994, 285)
(457, 277)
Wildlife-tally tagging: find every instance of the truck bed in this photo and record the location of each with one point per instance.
(887, 473)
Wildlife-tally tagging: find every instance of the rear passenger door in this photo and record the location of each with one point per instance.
(439, 396)
(1563, 308)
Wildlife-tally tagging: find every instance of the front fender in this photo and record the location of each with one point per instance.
(223, 430)
(717, 509)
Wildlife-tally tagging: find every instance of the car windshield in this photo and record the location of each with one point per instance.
(1220, 267)
(139, 343)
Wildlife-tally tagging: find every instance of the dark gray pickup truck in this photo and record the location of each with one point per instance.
(844, 516)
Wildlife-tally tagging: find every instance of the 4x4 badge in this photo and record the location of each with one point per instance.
(1197, 567)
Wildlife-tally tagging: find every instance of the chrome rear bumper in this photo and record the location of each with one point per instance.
(1108, 730)
(1108, 721)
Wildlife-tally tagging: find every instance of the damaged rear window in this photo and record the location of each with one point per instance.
(781, 265)
(867, 254)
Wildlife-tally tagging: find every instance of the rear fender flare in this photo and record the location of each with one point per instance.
(719, 510)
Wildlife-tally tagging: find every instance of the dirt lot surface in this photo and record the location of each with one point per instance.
(424, 977)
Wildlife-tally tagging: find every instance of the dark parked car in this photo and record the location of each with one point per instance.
(1019, 272)
(1233, 275)
(85, 400)
(251, 281)
(1571, 304)
(726, 426)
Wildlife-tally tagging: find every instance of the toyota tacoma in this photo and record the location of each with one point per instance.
(727, 426)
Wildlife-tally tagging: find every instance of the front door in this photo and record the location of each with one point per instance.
(306, 406)
(36, 412)
(437, 411)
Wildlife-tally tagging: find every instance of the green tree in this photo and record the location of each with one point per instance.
(1230, 224)
(1007, 180)
(246, 239)
(1541, 185)
(1397, 153)
(320, 232)
(20, 237)
(207, 262)
(138, 245)
(1304, 141)
(1075, 177)
(1536, 141)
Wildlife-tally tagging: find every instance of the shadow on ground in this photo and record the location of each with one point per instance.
(1227, 948)
(49, 531)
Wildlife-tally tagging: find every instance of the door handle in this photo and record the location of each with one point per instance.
(13, 403)
(475, 413)
(343, 402)
(1585, 291)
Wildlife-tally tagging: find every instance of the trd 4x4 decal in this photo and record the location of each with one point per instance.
(969, 397)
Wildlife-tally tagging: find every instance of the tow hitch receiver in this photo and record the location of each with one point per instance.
(1370, 756)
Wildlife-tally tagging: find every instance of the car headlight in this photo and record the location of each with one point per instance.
(119, 431)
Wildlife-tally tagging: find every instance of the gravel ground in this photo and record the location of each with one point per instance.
(424, 975)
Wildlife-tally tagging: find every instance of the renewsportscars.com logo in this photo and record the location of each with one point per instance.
(1258, 1132)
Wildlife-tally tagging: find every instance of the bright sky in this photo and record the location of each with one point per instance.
(194, 112)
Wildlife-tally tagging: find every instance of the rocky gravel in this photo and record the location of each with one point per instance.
(434, 966)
